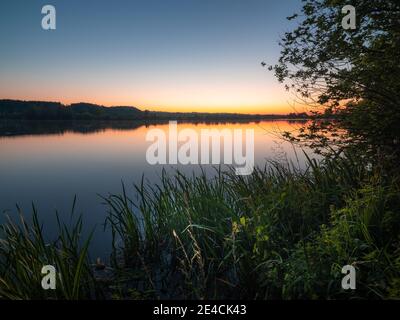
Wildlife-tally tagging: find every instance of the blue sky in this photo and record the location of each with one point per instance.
(155, 54)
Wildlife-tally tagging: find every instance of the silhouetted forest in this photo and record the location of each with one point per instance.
(41, 110)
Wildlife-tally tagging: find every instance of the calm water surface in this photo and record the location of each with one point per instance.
(49, 163)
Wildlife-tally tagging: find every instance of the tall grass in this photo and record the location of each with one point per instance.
(24, 251)
(280, 233)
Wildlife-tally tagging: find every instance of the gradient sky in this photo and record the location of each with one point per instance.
(169, 55)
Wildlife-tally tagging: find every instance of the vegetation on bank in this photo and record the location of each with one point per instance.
(352, 75)
(280, 233)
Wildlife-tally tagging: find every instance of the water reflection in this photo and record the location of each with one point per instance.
(50, 162)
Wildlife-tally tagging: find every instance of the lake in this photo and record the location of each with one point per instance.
(49, 162)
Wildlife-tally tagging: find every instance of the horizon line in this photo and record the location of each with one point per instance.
(153, 108)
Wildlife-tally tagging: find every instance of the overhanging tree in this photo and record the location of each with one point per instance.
(349, 78)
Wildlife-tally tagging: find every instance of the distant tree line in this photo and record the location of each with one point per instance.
(41, 110)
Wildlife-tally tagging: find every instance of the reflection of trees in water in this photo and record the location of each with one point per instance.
(12, 128)
(18, 128)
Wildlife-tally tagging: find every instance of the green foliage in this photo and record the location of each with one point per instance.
(351, 76)
(364, 232)
(279, 233)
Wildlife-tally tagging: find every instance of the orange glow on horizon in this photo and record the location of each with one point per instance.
(211, 108)
(242, 98)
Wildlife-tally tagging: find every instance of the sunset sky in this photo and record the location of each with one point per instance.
(167, 55)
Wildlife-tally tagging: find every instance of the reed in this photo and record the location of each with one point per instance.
(24, 251)
(280, 233)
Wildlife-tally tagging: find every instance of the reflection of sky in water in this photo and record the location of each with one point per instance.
(50, 169)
